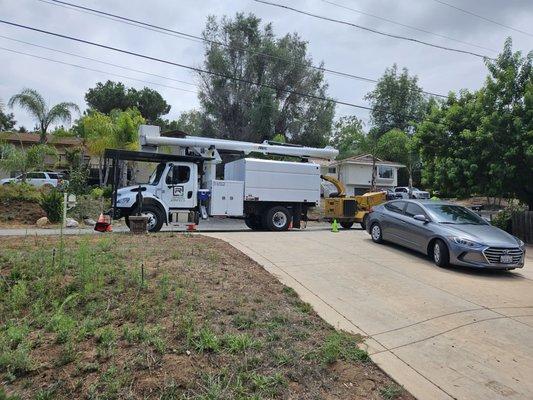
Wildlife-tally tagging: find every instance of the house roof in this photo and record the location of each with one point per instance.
(366, 159)
(30, 138)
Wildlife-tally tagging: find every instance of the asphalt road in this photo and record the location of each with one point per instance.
(442, 333)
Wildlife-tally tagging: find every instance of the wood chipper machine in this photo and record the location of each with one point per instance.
(348, 210)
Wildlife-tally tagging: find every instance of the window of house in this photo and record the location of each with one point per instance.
(385, 172)
(178, 174)
(332, 170)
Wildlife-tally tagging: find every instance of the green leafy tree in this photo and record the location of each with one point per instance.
(118, 130)
(25, 160)
(348, 137)
(397, 102)
(482, 142)
(7, 121)
(189, 122)
(396, 145)
(239, 110)
(109, 96)
(31, 101)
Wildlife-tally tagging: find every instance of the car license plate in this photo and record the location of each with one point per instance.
(506, 259)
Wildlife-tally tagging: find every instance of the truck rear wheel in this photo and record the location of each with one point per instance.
(277, 219)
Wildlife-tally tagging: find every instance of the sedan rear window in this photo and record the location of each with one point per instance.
(456, 215)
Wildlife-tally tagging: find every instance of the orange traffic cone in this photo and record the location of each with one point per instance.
(103, 224)
(191, 227)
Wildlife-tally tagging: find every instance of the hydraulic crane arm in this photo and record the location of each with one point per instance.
(341, 191)
(151, 137)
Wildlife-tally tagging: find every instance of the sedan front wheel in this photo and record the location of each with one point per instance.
(376, 233)
(441, 255)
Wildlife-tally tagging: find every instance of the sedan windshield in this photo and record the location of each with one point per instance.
(450, 214)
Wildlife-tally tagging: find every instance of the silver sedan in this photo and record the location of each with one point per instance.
(448, 233)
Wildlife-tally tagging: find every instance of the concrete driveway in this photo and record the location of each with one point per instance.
(441, 333)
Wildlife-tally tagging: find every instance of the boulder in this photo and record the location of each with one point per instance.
(71, 223)
(89, 222)
(42, 222)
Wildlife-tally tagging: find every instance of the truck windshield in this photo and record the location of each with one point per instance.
(156, 175)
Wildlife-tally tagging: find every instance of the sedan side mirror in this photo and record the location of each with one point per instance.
(420, 217)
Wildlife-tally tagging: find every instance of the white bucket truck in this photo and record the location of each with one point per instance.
(267, 194)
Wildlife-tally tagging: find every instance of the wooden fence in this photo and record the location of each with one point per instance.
(522, 225)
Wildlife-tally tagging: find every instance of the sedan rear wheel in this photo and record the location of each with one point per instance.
(441, 255)
(376, 234)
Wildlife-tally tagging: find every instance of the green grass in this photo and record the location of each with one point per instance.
(391, 391)
(341, 346)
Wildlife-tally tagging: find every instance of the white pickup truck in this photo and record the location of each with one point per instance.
(267, 194)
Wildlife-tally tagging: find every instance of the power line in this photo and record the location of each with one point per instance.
(408, 26)
(373, 30)
(95, 70)
(96, 60)
(483, 18)
(196, 69)
(195, 38)
(184, 35)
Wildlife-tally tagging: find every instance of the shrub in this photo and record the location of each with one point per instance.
(52, 204)
(78, 177)
(19, 192)
(502, 220)
(86, 207)
(97, 192)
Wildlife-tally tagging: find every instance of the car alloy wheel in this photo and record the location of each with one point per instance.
(437, 253)
(375, 233)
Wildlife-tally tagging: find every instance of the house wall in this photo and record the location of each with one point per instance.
(358, 178)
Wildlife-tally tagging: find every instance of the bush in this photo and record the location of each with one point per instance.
(502, 220)
(87, 207)
(52, 204)
(97, 192)
(19, 192)
(78, 178)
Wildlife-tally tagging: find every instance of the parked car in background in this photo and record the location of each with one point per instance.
(448, 233)
(39, 179)
(403, 191)
(392, 195)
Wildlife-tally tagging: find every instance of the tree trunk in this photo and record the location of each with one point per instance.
(100, 168)
(42, 138)
(373, 181)
(410, 182)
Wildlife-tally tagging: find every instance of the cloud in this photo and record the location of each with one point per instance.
(340, 47)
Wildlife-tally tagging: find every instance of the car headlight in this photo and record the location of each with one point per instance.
(465, 242)
(519, 241)
(123, 200)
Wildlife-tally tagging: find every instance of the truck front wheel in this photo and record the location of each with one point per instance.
(155, 218)
(277, 219)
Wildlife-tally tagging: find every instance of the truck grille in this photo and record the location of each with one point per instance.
(492, 254)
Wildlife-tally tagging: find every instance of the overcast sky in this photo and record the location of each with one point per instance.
(340, 47)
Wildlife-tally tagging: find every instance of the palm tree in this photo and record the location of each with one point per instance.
(33, 102)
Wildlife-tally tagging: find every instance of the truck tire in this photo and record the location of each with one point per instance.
(277, 219)
(156, 217)
(254, 223)
(346, 224)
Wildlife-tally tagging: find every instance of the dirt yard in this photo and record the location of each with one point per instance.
(166, 316)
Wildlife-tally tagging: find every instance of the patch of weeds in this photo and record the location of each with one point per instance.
(16, 334)
(267, 385)
(18, 296)
(88, 328)
(63, 325)
(304, 307)
(5, 396)
(391, 391)
(282, 358)
(242, 322)
(44, 394)
(290, 291)
(67, 355)
(343, 346)
(205, 340)
(106, 339)
(89, 367)
(16, 361)
(239, 343)
(142, 334)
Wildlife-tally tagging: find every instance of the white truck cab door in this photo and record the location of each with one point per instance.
(180, 185)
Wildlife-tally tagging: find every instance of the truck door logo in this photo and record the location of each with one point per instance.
(177, 191)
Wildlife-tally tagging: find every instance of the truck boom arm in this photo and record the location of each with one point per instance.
(151, 137)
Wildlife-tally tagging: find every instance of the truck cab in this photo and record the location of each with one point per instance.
(172, 186)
